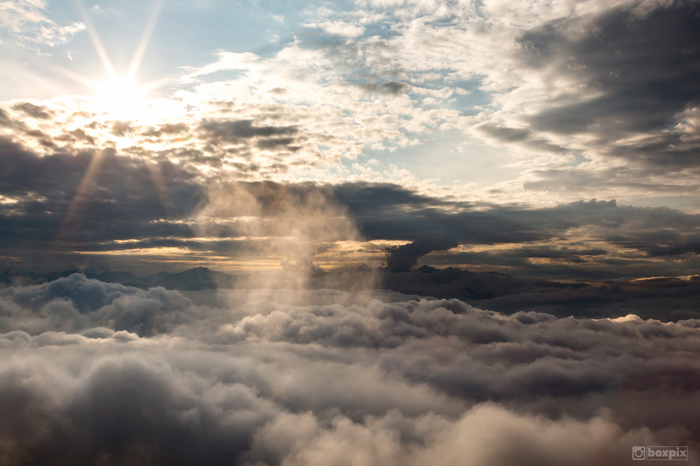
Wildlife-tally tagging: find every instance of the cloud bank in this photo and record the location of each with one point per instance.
(102, 373)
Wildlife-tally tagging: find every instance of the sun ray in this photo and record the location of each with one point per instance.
(87, 82)
(161, 188)
(71, 219)
(84, 188)
(145, 39)
(156, 84)
(119, 97)
(101, 52)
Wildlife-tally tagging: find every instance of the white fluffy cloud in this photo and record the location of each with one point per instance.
(325, 377)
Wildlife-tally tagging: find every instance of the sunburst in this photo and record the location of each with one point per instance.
(117, 98)
(120, 99)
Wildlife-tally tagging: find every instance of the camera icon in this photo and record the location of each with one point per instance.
(639, 453)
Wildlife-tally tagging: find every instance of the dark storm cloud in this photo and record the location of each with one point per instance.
(316, 377)
(26, 172)
(646, 70)
(365, 198)
(126, 199)
(74, 201)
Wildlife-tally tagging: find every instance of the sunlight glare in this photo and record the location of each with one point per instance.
(120, 99)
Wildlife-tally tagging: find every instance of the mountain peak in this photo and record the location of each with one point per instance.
(426, 269)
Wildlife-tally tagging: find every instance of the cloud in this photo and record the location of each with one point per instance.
(208, 139)
(338, 28)
(97, 10)
(638, 76)
(75, 303)
(34, 111)
(233, 131)
(66, 193)
(296, 221)
(313, 377)
(26, 22)
(404, 258)
(390, 212)
(392, 87)
(487, 435)
(611, 83)
(250, 170)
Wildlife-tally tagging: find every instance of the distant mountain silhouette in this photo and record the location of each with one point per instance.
(664, 299)
(424, 281)
(426, 269)
(22, 278)
(118, 277)
(199, 278)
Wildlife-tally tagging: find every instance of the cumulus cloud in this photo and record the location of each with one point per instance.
(319, 377)
(74, 304)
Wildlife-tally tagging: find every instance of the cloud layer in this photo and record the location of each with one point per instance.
(104, 208)
(96, 372)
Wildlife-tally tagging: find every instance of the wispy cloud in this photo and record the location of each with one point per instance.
(26, 22)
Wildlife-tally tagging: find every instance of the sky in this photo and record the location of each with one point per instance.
(533, 138)
(455, 232)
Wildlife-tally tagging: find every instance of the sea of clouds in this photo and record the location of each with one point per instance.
(104, 374)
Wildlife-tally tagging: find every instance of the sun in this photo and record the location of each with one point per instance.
(120, 99)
